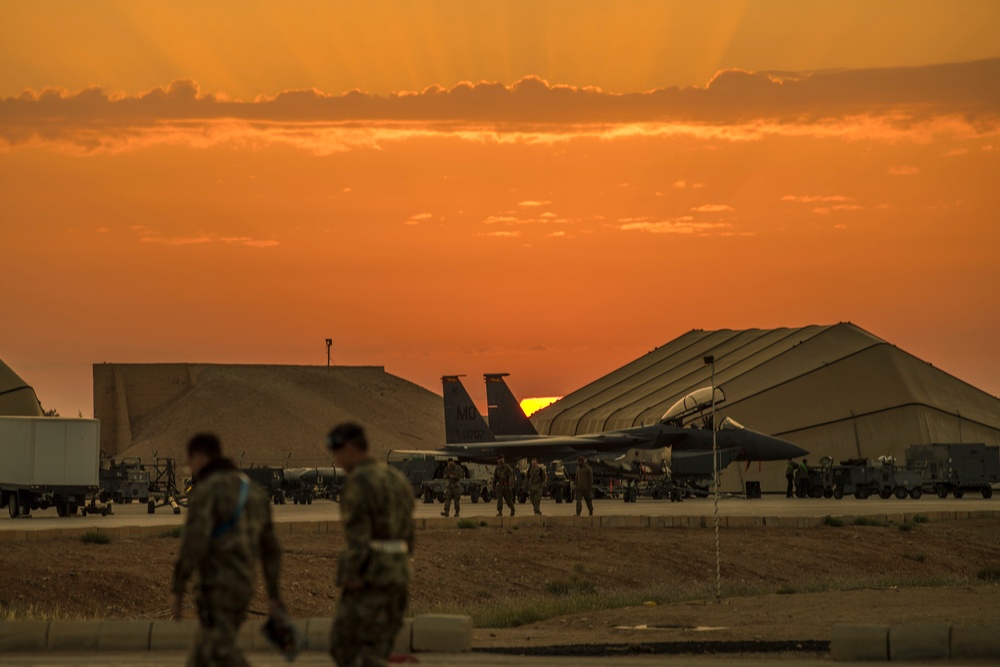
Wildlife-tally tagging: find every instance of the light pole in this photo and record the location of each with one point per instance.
(329, 342)
(710, 361)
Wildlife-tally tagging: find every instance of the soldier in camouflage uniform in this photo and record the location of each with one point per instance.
(503, 486)
(376, 506)
(452, 473)
(228, 530)
(584, 485)
(537, 478)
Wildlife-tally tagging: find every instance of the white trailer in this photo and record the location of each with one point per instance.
(48, 462)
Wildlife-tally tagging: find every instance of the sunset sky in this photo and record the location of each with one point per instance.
(548, 189)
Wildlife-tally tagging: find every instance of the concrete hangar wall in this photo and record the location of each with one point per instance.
(835, 390)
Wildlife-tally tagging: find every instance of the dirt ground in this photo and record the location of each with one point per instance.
(778, 584)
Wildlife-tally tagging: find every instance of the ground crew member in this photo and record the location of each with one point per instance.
(584, 486)
(790, 477)
(452, 473)
(376, 506)
(503, 486)
(537, 478)
(803, 475)
(227, 531)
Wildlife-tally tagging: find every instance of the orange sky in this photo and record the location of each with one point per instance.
(630, 172)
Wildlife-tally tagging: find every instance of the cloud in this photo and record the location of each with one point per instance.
(530, 203)
(147, 235)
(904, 170)
(712, 208)
(816, 198)
(735, 105)
(826, 210)
(682, 225)
(418, 218)
(504, 234)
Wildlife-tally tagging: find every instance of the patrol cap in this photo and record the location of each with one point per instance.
(500, 457)
(345, 433)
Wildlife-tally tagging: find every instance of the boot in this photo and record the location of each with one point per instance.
(500, 513)
(444, 514)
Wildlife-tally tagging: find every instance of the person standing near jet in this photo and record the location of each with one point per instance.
(803, 475)
(453, 473)
(227, 531)
(790, 469)
(537, 477)
(503, 486)
(584, 486)
(374, 572)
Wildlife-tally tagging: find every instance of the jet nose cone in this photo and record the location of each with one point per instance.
(770, 448)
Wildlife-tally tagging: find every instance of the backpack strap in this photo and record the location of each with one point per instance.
(228, 524)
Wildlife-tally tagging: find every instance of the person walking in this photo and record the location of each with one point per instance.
(453, 474)
(803, 478)
(228, 530)
(503, 486)
(584, 486)
(537, 478)
(374, 571)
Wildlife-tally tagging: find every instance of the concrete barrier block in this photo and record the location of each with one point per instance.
(73, 635)
(167, 635)
(307, 527)
(975, 643)
(404, 638)
(23, 636)
(919, 641)
(860, 642)
(644, 521)
(317, 634)
(123, 636)
(442, 633)
(6, 536)
(771, 521)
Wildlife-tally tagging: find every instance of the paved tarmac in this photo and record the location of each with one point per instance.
(271, 659)
(324, 510)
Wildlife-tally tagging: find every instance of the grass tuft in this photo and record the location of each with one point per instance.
(991, 573)
(467, 523)
(905, 526)
(94, 537)
(920, 518)
(920, 558)
(868, 521)
(832, 521)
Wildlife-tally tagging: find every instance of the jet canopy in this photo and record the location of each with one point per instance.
(694, 403)
(730, 424)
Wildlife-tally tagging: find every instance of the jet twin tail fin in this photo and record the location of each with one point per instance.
(462, 421)
(506, 416)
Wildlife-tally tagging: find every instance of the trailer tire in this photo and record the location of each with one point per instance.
(959, 494)
(828, 492)
(486, 495)
(61, 509)
(861, 494)
(987, 492)
(816, 492)
(428, 496)
(150, 507)
(900, 492)
(12, 507)
(942, 491)
(884, 493)
(838, 493)
(916, 492)
(474, 495)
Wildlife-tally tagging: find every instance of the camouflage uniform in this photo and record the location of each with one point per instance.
(453, 473)
(537, 477)
(503, 487)
(376, 506)
(225, 554)
(584, 487)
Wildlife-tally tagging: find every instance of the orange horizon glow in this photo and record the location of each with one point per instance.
(532, 405)
(553, 189)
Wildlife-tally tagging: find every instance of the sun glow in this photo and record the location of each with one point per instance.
(533, 405)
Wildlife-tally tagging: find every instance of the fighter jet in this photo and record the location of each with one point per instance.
(469, 437)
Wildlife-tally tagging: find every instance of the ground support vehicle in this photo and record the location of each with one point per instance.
(558, 487)
(124, 481)
(48, 462)
(955, 469)
(270, 479)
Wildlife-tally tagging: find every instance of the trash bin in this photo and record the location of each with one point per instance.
(753, 490)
